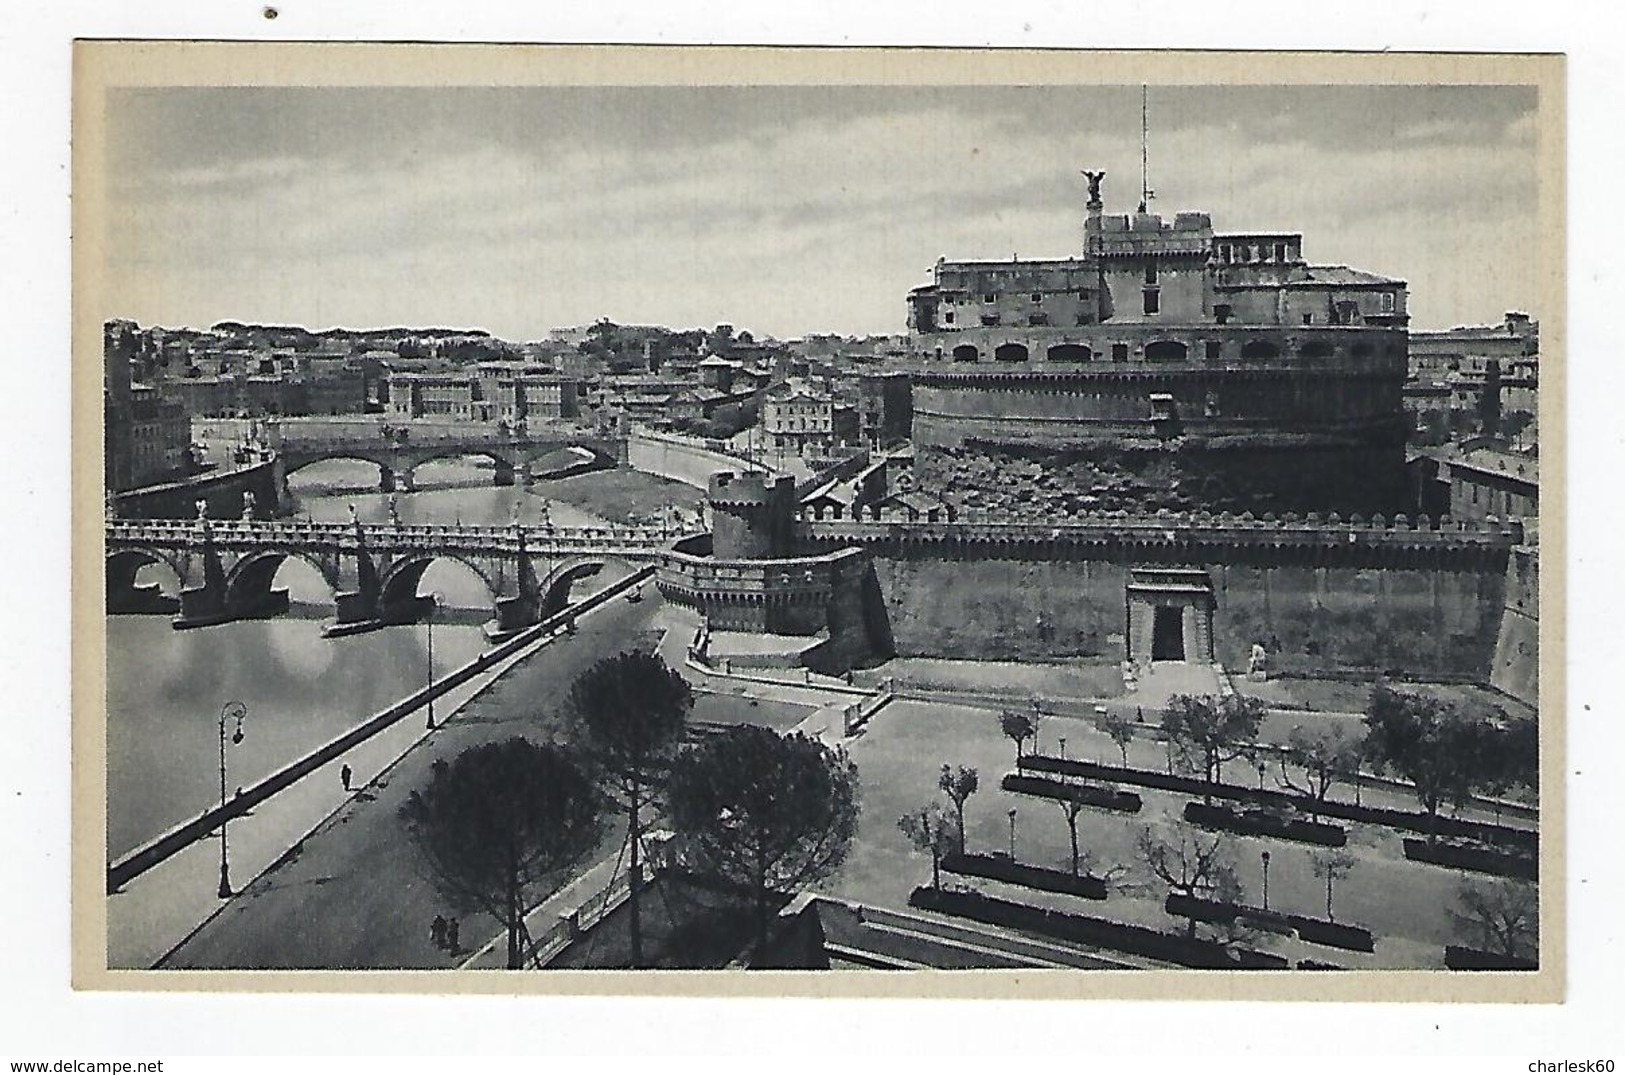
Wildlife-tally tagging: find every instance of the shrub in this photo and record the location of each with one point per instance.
(1000, 868)
(1458, 958)
(1257, 823)
(1106, 798)
(1475, 858)
(1094, 932)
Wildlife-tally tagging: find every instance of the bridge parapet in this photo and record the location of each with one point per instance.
(239, 532)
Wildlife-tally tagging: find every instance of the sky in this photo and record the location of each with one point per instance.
(784, 210)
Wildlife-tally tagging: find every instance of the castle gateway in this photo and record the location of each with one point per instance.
(1165, 366)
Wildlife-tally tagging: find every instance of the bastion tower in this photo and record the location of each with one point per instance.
(752, 515)
(1164, 366)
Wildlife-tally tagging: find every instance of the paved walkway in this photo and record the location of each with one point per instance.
(354, 892)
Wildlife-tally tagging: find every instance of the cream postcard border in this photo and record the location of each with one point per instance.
(100, 65)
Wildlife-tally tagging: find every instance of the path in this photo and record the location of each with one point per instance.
(354, 893)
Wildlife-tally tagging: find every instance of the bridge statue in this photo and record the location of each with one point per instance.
(248, 504)
(202, 507)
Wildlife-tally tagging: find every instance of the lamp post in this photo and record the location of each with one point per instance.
(434, 603)
(1264, 857)
(1012, 834)
(1062, 739)
(232, 711)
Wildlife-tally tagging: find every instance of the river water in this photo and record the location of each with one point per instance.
(166, 688)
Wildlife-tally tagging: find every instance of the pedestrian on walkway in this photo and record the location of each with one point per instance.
(437, 931)
(344, 777)
(451, 936)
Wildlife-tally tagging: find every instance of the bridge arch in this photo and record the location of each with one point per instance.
(126, 593)
(251, 578)
(411, 461)
(398, 587)
(293, 464)
(556, 586)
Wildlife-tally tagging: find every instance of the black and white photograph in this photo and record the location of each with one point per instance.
(947, 522)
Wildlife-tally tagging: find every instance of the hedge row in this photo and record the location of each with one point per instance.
(1477, 859)
(1150, 778)
(1410, 820)
(1334, 934)
(1095, 932)
(1312, 930)
(1001, 868)
(1416, 821)
(1315, 964)
(1459, 958)
(1263, 824)
(1125, 802)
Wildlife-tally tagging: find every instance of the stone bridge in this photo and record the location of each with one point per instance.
(227, 567)
(398, 450)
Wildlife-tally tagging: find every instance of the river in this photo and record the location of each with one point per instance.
(166, 688)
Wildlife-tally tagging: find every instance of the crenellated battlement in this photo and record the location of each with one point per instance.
(1195, 538)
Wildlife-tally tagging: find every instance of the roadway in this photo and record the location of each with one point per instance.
(354, 893)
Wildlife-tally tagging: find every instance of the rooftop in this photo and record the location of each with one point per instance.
(1340, 275)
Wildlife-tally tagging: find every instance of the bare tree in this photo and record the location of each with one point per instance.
(1325, 757)
(958, 784)
(931, 829)
(1190, 864)
(1018, 727)
(1121, 730)
(1331, 866)
(1499, 916)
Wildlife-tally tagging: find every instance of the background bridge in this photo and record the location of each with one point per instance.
(227, 567)
(399, 449)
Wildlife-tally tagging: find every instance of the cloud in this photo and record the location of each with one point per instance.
(786, 211)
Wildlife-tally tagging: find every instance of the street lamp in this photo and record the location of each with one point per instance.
(434, 603)
(1012, 834)
(1062, 739)
(231, 711)
(1264, 857)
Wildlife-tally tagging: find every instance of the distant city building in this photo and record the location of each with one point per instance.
(1489, 481)
(798, 419)
(1450, 368)
(512, 392)
(1514, 345)
(148, 432)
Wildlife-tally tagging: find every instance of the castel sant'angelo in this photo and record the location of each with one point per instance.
(1164, 366)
